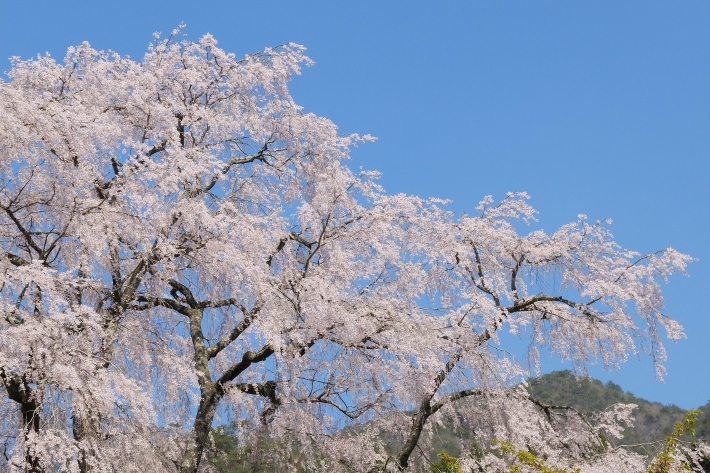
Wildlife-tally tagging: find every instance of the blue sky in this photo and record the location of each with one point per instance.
(600, 108)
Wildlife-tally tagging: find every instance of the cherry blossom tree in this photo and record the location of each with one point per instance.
(182, 245)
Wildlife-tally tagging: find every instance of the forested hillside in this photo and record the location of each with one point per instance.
(653, 420)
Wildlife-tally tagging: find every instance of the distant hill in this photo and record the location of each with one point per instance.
(653, 420)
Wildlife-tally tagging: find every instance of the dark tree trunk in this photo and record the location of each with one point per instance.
(19, 390)
(211, 395)
(30, 421)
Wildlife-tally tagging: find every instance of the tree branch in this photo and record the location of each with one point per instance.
(247, 360)
(249, 317)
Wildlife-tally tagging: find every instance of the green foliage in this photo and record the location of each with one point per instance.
(446, 464)
(664, 460)
(526, 458)
(227, 456)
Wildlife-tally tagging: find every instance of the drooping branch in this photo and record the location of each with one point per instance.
(245, 323)
(282, 243)
(455, 397)
(248, 359)
(151, 302)
(29, 241)
(17, 260)
(258, 156)
(352, 414)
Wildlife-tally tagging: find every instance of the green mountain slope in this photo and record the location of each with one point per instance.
(653, 420)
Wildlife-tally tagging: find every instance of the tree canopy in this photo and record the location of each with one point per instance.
(182, 245)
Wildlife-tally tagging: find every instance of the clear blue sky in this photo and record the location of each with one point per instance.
(596, 107)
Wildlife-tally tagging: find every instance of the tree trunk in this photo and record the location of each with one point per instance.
(211, 395)
(19, 390)
(418, 422)
(30, 422)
